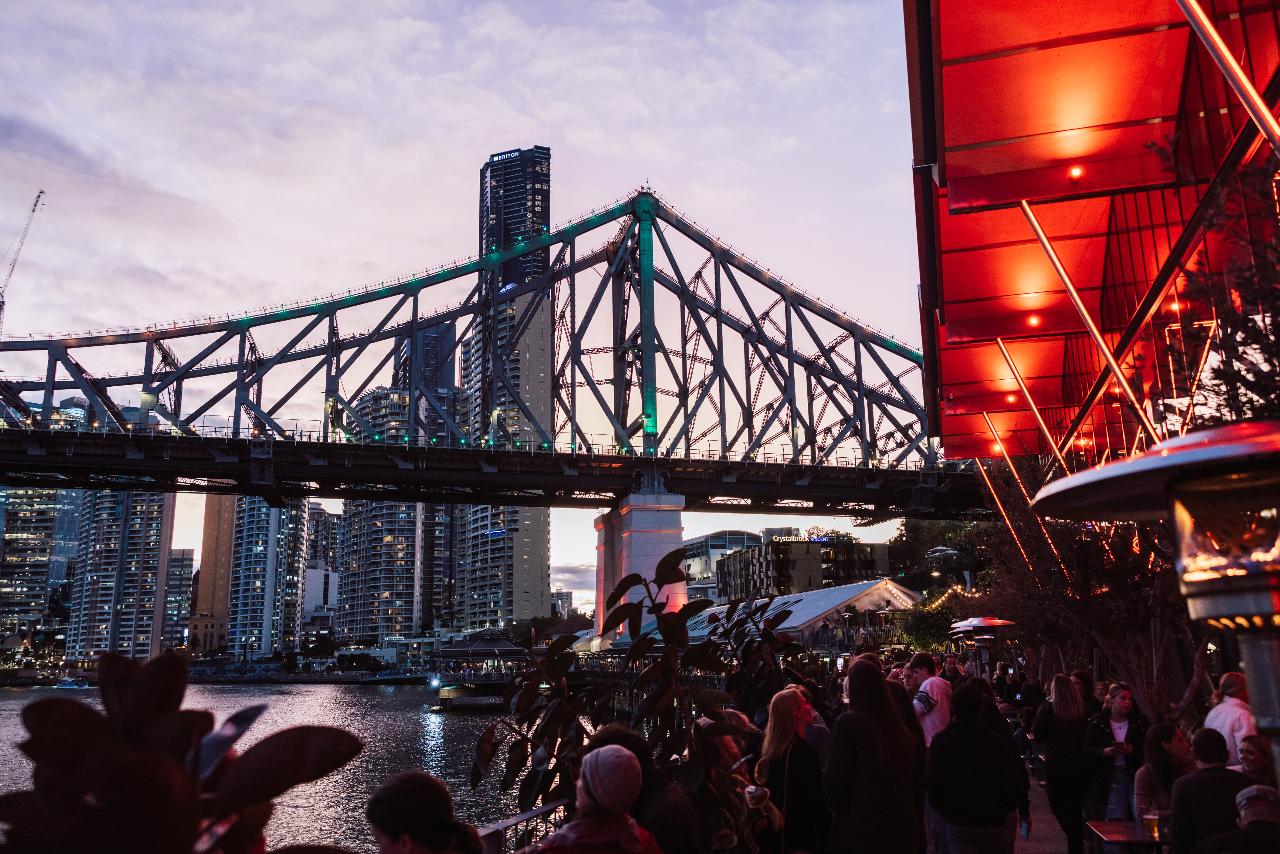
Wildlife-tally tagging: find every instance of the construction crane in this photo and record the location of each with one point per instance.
(17, 250)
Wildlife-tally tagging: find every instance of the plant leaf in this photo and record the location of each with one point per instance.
(60, 713)
(153, 692)
(214, 746)
(669, 569)
(281, 761)
(115, 672)
(697, 606)
(486, 746)
(618, 616)
(620, 589)
(560, 644)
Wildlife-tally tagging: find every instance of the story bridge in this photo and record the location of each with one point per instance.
(644, 354)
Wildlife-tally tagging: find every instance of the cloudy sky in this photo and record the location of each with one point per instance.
(201, 158)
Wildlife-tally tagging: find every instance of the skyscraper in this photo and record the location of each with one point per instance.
(380, 586)
(121, 574)
(504, 560)
(213, 593)
(39, 529)
(267, 559)
(436, 373)
(177, 597)
(319, 596)
(39, 540)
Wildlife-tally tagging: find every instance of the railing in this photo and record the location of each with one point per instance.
(524, 829)
(602, 445)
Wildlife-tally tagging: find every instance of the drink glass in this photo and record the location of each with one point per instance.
(1151, 825)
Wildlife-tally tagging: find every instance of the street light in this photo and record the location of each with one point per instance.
(1222, 488)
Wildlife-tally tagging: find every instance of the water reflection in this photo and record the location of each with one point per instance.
(400, 732)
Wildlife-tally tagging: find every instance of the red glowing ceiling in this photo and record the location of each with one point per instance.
(1075, 108)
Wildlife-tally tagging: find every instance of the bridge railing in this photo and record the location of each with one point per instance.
(524, 829)
(601, 445)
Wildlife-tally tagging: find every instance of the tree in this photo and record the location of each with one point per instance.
(927, 624)
(1109, 585)
(1235, 306)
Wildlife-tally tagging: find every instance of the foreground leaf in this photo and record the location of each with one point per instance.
(281, 761)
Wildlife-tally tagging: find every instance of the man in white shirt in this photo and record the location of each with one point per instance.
(932, 701)
(1232, 716)
(931, 695)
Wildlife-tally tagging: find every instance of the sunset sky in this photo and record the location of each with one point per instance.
(200, 158)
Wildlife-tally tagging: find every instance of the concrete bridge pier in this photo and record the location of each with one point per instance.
(644, 528)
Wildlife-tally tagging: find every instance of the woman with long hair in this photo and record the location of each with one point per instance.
(1257, 761)
(1114, 739)
(873, 781)
(791, 771)
(1168, 755)
(1059, 731)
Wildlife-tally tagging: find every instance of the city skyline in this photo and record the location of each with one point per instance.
(187, 196)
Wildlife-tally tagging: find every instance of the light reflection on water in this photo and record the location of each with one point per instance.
(400, 731)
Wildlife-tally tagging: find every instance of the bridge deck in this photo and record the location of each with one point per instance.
(278, 469)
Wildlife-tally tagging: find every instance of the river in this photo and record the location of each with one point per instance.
(400, 730)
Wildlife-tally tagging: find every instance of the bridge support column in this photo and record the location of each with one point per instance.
(633, 538)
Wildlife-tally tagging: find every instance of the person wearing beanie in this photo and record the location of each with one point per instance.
(661, 807)
(1231, 714)
(412, 813)
(1259, 822)
(608, 784)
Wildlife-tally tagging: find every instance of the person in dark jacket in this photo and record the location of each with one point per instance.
(1059, 732)
(873, 781)
(1114, 741)
(1204, 801)
(975, 779)
(790, 769)
(661, 807)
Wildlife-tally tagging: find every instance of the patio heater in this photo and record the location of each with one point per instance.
(1221, 487)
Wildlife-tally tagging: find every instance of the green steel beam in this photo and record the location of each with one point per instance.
(645, 205)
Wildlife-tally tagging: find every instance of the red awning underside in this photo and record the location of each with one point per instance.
(1081, 109)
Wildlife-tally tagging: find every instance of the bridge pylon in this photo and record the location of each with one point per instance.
(644, 527)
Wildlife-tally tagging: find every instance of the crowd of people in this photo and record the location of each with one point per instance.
(912, 756)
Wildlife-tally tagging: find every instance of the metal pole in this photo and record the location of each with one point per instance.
(1098, 340)
(1025, 495)
(1253, 103)
(1003, 515)
(1035, 410)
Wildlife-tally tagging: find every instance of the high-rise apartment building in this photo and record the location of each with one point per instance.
(434, 369)
(177, 597)
(213, 592)
(120, 577)
(40, 530)
(267, 560)
(319, 596)
(504, 552)
(380, 586)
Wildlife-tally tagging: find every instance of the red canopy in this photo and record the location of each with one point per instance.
(1111, 121)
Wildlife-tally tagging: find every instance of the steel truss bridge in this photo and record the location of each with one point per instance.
(656, 356)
